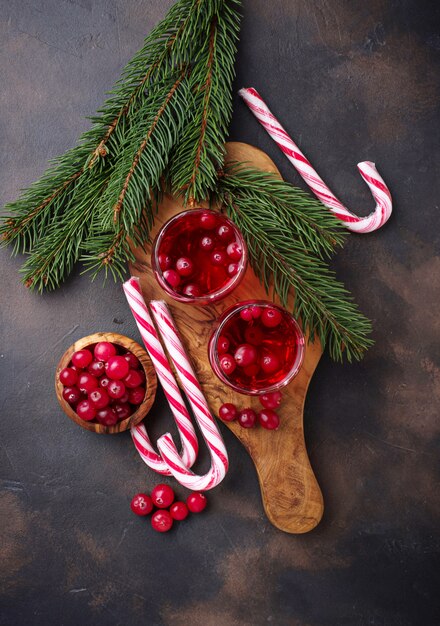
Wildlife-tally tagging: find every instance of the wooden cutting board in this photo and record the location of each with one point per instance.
(291, 495)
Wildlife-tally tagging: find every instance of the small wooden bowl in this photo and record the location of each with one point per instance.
(150, 381)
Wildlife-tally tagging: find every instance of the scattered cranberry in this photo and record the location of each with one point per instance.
(165, 262)
(68, 377)
(225, 233)
(271, 317)
(82, 358)
(246, 314)
(99, 398)
(207, 243)
(172, 278)
(227, 412)
(72, 395)
(247, 418)
(270, 363)
(208, 220)
(136, 395)
(271, 400)
(116, 367)
(269, 419)
(104, 350)
(222, 344)
(107, 416)
(97, 368)
(161, 521)
(184, 266)
(233, 269)
(219, 257)
(234, 251)
(245, 355)
(116, 389)
(162, 496)
(227, 363)
(134, 378)
(104, 382)
(132, 360)
(196, 502)
(141, 504)
(85, 410)
(87, 382)
(123, 410)
(179, 511)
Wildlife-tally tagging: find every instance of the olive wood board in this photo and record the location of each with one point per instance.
(290, 492)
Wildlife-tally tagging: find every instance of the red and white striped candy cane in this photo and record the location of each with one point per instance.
(367, 169)
(194, 393)
(164, 372)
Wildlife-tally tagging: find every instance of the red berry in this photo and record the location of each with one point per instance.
(245, 355)
(196, 502)
(161, 521)
(97, 368)
(68, 377)
(104, 350)
(246, 314)
(72, 395)
(227, 412)
(269, 419)
(225, 232)
(99, 398)
(123, 410)
(247, 418)
(233, 269)
(133, 361)
(270, 363)
(116, 389)
(165, 261)
(271, 317)
(206, 243)
(227, 363)
(179, 511)
(123, 399)
(208, 220)
(162, 496)
(184, 266)
(87, 382)
(254, 335)
(271, 400)
(141, 504)
(107, 416)
(172, 278)
(256, 311)
(82, 358)
(219, 257)
(136, 395)
(251, 370)
(85, 410)
(222, 344)
(117, 367)
(234, 251)
(134, 378)
(104, 382)
(192, 290)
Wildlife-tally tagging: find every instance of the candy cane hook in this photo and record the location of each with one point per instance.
(367, 169)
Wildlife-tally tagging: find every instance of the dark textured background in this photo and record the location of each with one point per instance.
(351, 80)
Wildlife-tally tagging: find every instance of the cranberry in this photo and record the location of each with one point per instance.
(222, 344)
(270, 363)
(225, 232)
(179, 511)
(196, 502)
(219, 257)
(206, 243)
(99, 398)
(161, 521)
(107, 416)
(117, 368)
(104, 350)
(123, 410)
(104, 382)
(172, 278)
(208, 220)
(82, 358)
(271, 317)
(251, 370)
(87, 382)
(97, 368)
(184, 266)
(245, 355)
(269, 419)
(254, 335)
(271, 400)
(256, 311)
(141, 504)
(136, 395)
(133, 362)
(246, 314)
(85, 410)
(162, 496)
(227, 363)
(227, 412)
(234, 251)
(192, 290)
(134, 378)
(165, 261)
(72, 395)
(116, 389)
(233, 269)
(124, 399)
(68, 377)
(247, 418)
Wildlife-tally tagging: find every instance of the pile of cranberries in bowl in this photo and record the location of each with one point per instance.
(103, 383)
(199, 256)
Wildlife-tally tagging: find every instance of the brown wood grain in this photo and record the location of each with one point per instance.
(291, 495)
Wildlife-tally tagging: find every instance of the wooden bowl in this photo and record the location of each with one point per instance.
(150, 381)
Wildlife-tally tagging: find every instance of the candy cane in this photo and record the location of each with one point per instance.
(164, 372)
(367, 169)
(207, 425)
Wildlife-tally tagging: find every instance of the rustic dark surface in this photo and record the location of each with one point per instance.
(351, 80)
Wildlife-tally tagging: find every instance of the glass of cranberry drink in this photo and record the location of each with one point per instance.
(199, 256)
(257, 347)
